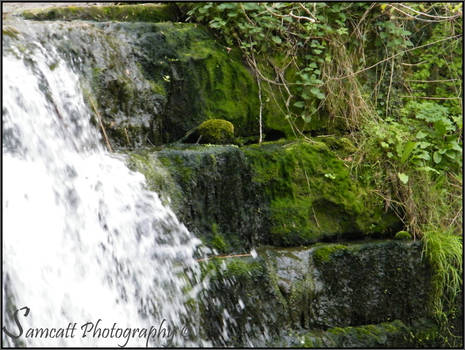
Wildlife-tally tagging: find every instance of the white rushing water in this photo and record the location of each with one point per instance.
(83, 239)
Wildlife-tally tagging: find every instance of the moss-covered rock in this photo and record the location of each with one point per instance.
(352, 284)
(157, 177)
(362, 295)
(129, 13)
(370, 283)
(395, 334)
(241, 289)
(324, 253)
(313, 196)
(214, 131)
(211, 191)
(403, 235)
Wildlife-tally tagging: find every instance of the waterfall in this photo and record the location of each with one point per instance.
(83, 240)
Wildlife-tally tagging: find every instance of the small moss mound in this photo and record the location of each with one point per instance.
(403, 236)
(323, 254)
(216, 131)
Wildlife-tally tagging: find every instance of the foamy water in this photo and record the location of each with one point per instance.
(83, 239)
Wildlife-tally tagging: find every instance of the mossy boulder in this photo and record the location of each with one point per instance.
(367, 294)
(312, 194)
(154, 81)
(213, 131)
(395, 334)
(126, 13)
(239, 287)
(211, 191)
(403, 235)
(323, 254)
(370, 283)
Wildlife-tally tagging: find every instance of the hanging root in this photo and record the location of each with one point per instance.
(107, 141)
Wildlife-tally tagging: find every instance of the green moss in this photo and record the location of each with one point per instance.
(10, 31)
(157, 177)
(388, 334)
(129, 13)
(403, 235)
(218, 242)
(238, 269)
(323, 254)
(312, 194)
(216, 131)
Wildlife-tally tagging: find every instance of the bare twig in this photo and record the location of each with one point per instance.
(223, 257)
(127, 136)
(260, 125)
(433, 98)
(390, 85)
(447, 18)
(107, 141)
(431, 81)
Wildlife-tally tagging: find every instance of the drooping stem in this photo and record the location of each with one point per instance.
(260, 123)
(107, 141)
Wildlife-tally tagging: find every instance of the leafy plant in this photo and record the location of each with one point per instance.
(443, 251)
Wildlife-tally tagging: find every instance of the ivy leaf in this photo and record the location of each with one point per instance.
(424, 155)
(421, 135)
(276, 39)
(403, 178)
(317, 93)
(437, 157)
(306, 118)
(409, 147)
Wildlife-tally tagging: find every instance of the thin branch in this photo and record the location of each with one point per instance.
(431, 81)
(223, 257)
(428, 15)
(308, 11)
(107, 141)
(421, 19)
(390, 85)
(260, 124)
(434, 98)
(301, 17)
(397, 54)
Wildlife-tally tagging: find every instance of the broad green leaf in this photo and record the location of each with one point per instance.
(421, 135)
(437, 157)
(427, 169)
(307, 118)
(299, 104)
(409, 147)
(276, 39)
(317, 93)
(403, 177)
(423, 155)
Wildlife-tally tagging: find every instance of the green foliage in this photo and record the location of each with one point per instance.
(323, 254)
(444, 251)
(299, 30)
(437, 139)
